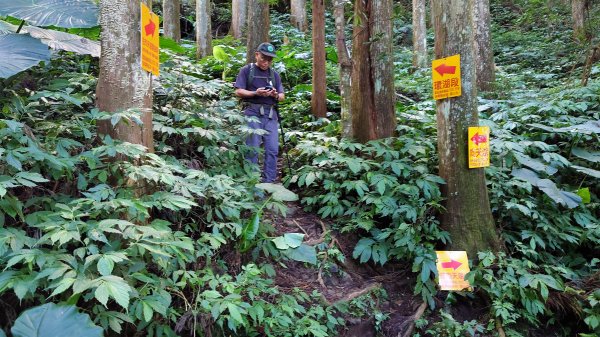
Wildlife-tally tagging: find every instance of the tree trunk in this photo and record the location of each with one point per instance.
(298, 14)
(239, 14)
(484, 54)
(345, 68)
(122, 83)
(419, 35)
(319, 88)
(373, 96)
(203, 28)
(171, 23)
(580, 10)
(468, 217)
(258, 26)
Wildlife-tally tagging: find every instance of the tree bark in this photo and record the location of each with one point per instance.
(345, 68)
(171, 23)
(258, 26)
(319, 87)
(468, 217)
(122, 83)
(203, 28)
(580, 9)
(373, 96)
(239, 14)
(484, 54)
(298, 14)
(419, 35)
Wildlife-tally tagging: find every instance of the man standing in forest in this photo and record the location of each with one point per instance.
(260, 88)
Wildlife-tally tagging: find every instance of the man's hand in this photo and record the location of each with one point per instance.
(262, 92)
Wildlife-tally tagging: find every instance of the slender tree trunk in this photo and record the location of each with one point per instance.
(203, 28)
(373, 96)
(468, 217)
(345, 68)
(258, 26)
(298, 14)
(171, 23)
(239, 14)
(319, 90)
(122, 84)
(484, 54)
(580, 10)
(419, 35)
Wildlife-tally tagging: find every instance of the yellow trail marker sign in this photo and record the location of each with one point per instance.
(479, 146)
(150, 44)
(452, 267)
(445, 76)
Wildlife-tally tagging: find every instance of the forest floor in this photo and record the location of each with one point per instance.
(341, 282)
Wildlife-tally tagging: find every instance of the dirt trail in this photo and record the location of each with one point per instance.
(343, 282)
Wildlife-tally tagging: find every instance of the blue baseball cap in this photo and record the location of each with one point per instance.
(266, 49)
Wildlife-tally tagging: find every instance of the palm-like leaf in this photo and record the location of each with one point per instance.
(20, 52)
(65, 41)
(59, 13)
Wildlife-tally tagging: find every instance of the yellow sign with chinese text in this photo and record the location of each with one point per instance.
(445, 76)
(452, 267)
(479, 146)
(150, 44)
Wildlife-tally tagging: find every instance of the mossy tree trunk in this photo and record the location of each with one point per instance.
(171, 23)
(419, 35)
(258, 26)
(468, 217)
(484, 53)
(345, 68)
(580, 13)
(319, 81)
(122, 83)
(373, 96)
(203, 28)
(298, 14)
(239, 14)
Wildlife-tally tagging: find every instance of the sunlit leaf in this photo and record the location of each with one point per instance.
(20, 52)
(65, 41)
(59, 13)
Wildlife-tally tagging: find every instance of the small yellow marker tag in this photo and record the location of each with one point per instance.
(452, 267)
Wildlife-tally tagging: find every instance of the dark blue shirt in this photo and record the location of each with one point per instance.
(262, 78)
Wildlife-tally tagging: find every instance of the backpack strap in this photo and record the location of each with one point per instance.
(250, 75)
(252, 72)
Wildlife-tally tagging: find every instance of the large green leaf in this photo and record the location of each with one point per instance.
(303, 253)
(591, 156)
(20, 52)
(571, 200)
(65, 41)
(279, 192)
(51, 320)
(59, 13)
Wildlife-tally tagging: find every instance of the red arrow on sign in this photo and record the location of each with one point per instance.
(150, 28)
(444, 69)
(477, 139)
(452, 264)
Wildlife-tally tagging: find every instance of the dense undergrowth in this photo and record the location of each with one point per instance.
(191, 250)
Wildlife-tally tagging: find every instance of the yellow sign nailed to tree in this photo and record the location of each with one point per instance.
(445, 76)
(452, 267)
(150, 44)
(479, 146)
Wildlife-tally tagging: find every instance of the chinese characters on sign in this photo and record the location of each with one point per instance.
(150, 42)
(452, 267)
(446, 77)
(479, 146)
